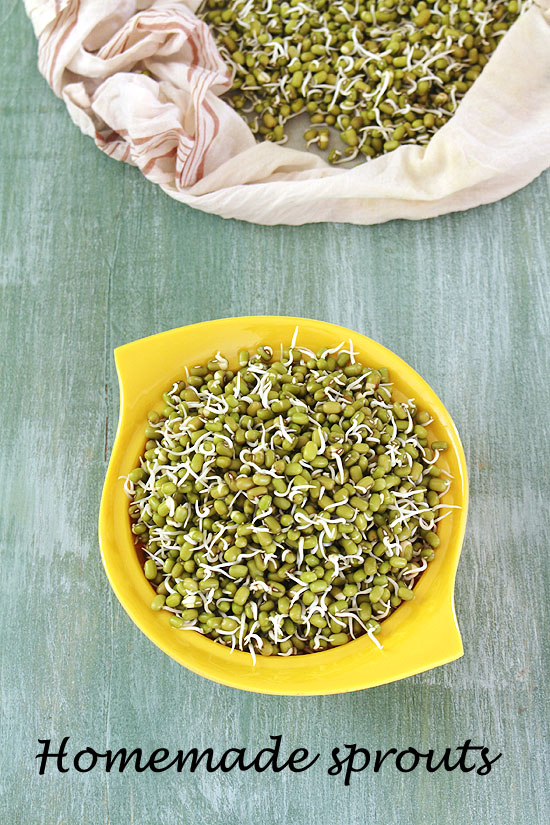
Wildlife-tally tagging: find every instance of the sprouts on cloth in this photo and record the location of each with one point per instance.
(383, 74)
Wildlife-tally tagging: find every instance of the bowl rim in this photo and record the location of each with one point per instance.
(449, 651)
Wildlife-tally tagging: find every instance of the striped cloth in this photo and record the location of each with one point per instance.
(144, 80)
(128, 76)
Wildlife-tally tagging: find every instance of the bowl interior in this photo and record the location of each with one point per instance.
(419, 635)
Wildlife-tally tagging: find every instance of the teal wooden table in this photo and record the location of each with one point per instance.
(92, 256)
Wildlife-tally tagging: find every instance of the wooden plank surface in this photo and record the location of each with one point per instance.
(91, 257)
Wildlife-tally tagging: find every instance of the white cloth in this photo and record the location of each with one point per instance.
(172, 124)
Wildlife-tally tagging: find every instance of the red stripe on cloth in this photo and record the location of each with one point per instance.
(151, 164)
(63, 37)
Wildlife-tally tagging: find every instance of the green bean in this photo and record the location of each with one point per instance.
(337, 639)
(150, 569)
(397, 562)
(241, 596)
(376, 593)
(404, 593)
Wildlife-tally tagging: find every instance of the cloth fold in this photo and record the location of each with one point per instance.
(144, 80)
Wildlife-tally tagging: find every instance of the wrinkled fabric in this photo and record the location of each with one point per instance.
(144, 80)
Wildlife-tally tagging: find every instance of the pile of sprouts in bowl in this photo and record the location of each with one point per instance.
(287, 505)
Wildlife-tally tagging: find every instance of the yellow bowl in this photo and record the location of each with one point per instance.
(419, 635)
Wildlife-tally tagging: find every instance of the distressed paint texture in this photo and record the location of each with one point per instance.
(92, 257)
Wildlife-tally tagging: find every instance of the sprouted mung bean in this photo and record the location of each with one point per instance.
(383, 73)
(287, 506)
